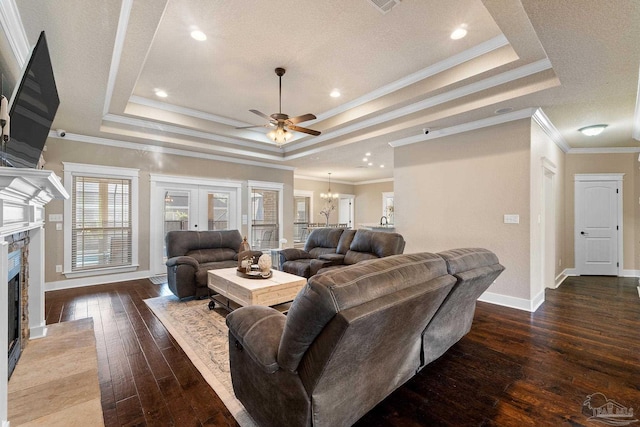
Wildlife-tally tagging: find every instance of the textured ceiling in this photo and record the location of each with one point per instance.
(398, 73)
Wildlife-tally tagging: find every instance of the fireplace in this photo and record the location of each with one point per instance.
(15, 309)
(23, 195)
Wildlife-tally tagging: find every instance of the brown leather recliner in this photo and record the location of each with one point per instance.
(192, 253)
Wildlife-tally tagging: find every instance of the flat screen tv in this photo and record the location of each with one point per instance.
(32, 109)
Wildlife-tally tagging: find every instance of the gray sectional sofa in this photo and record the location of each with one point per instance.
(330, 248)
(192, 253)
(353, 335)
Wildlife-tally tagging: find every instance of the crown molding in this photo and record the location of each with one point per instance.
(488, 83)
(12, 26)
(374, 181)
(121, 32)
(465, 127)
(313, 178)
(142, 123)
(605, 150)
(186, 111)
(552, 132)
(164, 150)
(439, 67)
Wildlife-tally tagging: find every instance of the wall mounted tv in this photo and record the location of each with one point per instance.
(33, 107)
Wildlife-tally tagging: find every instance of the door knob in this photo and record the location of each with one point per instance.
(584, 234)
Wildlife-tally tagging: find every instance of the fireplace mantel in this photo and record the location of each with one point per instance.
(23, 195)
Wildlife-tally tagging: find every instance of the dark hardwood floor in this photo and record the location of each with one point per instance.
(513, 369)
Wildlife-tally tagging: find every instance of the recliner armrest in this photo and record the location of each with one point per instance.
(182, 260)
(258, 330)
(292, 254)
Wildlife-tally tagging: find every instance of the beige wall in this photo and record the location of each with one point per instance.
(369, 202)
(319, 187)
(453, 192)
(59, 150)
(626, 163)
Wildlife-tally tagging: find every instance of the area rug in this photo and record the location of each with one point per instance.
(203, 336)
(55, 383)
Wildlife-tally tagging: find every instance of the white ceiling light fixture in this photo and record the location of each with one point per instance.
(459, 32)
(335, 93)
(593, 130)
(329, 196)
(198, 35)
(364, 159)
(161, 93)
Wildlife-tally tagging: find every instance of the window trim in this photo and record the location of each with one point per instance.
(265, 185)
(99, 171)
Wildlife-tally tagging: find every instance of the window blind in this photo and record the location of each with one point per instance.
(101, 223)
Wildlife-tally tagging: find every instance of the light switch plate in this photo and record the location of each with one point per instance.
(512, 219)
(55, 217)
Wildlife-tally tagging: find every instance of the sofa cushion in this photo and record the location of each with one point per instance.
(345, 241)
(212, 255)
(328, 293)
(181, 242)
(368, 244)
(323, 238)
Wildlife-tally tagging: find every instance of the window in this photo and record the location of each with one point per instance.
(100, 219)
(266, 214)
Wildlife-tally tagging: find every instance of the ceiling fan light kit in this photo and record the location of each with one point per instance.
(282, 122)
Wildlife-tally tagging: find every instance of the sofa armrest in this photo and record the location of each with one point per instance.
(183, 260)
(258, 330)
(292, 254)
(335, 259)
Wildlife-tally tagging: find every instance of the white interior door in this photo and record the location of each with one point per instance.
(345, 211)
(597, 227)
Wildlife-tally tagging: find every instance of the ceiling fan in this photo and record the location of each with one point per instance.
(281, 122)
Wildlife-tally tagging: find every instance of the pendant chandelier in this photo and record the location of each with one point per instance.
(329, 196)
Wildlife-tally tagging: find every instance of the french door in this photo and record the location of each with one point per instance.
(180, 204)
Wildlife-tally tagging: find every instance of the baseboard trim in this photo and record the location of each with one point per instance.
(38, 332)
(513, 302)
(630, 273)
(95, 280)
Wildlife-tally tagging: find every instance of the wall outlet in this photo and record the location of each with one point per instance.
(58, 268)
(58, 226)
(560, 262)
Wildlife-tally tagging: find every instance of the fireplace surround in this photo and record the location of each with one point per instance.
(23, 196)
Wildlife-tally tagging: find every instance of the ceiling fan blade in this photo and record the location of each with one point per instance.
(261, 114)
(300, 119)
(304, 130)
(251, 127)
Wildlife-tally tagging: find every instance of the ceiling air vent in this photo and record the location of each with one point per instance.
(384, 6)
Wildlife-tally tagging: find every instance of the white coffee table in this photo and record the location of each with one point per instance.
(280, 288)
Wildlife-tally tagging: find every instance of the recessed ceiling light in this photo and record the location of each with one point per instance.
(161, 93)
(381, 166)
(367, 154)
(592, 130)
(370, 164)
(198, 35)
(335, 93)
(459, 32)
(364, 159)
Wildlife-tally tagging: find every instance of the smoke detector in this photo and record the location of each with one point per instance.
(384, 6)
